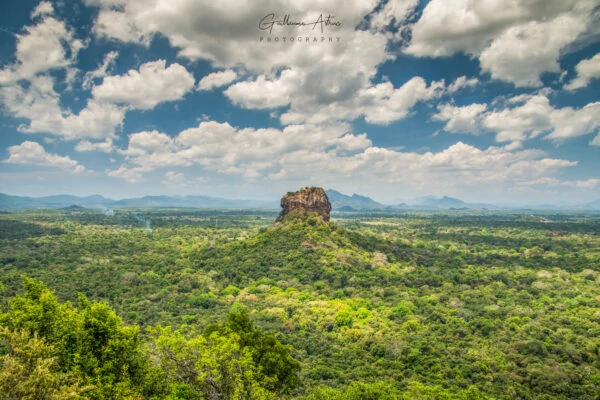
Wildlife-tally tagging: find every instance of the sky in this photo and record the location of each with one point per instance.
(488, 101)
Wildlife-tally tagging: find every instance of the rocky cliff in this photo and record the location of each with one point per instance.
(305, 202)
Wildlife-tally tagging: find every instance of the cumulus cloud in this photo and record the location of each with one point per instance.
(174, 178)
(85, 145)
(393, 13)
(515, 41)
(32, 153)
(332, 154)
(40, 104)
(462, 82)
(118, 25)
(537, 116)
(523, 52)
(595, 141)
(522, 117)
(335, 77)
(320, 82)
(102, 71)
(233, 151)
(154, 83)
(263, 93)
(44, 8)
(586, 71)
(465, 119)
(217, 79)
(42, 47)
(196, 28)
(132, 175)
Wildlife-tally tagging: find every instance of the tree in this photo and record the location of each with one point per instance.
(198, 367)
(276, 366)
(28, 370)
(90, 343)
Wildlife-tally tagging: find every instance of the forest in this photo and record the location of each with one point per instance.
(225, 304)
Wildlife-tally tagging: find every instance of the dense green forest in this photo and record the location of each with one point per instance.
(209, 304)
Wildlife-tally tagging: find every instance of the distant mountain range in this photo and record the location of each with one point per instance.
(342, 202)
(339, 201)
(8, 202)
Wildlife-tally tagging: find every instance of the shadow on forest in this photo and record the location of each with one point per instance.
(10, 229)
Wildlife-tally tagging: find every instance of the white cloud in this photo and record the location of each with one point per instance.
(522, 117)
(318, 82)
(118, 25)
(465, 119)
(389, 104)
(32, 153)
(586, 71)
(40, 104)
(462, 82)
(217, 79)
(523, 52)
(262, 93)
(379, 104)
(393, 13)
(225, 32)
(144, 89)
(553, 182)
(595, 141)
(102, 71)
(44, 8)
(85, 145)
(515, 41)
(569, 122)
(174, 178)
(45, 46)
(232, 151)
(327, 80)
(132, 175)
(332, 155)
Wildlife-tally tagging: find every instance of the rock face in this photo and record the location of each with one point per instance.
(305, 201)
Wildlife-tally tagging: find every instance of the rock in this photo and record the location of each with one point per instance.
(305, 202)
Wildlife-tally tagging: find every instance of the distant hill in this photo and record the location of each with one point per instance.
(592, 205)
(447, 203)
(339, 201)
(191, 202)
(444, 202)
(8, 202)
(342, 202)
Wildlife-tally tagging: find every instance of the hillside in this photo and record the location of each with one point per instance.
(462, 306)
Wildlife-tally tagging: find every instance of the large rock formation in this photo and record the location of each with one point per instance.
(305, 202)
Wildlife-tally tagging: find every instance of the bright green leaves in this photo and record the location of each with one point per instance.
(53, 350)
(30, 371)
(213, 367)
(277, 368)
(90, 343)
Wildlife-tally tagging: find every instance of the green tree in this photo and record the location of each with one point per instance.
(90, 342)
(198, 367)
(276, 366)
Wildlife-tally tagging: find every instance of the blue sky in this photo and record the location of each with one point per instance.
(486, 101)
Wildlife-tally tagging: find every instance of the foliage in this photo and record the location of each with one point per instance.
(461, 305)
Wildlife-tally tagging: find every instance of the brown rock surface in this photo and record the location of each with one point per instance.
(305, 201)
